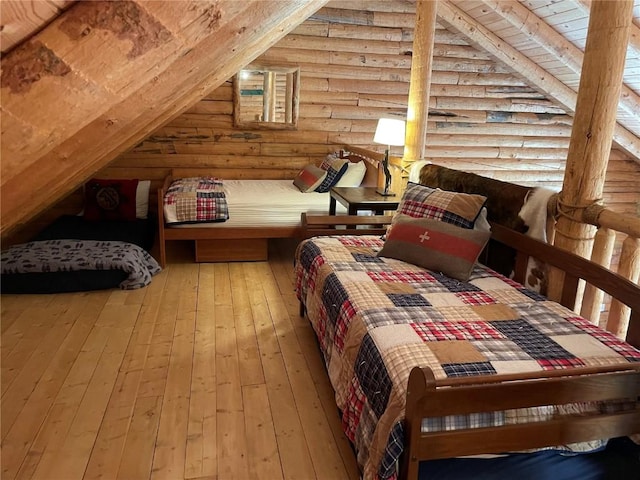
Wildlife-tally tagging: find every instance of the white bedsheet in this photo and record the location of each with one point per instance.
(256, 203)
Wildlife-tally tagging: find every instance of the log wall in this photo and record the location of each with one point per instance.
(355, 66)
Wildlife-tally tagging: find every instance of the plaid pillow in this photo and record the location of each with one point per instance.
(334, 173)
(461, 209)
(309, 178)
(328, 160)
(434, 245)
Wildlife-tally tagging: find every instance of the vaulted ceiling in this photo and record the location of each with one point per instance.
(85, 81)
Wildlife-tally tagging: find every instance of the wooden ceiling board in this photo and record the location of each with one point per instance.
(20, 19)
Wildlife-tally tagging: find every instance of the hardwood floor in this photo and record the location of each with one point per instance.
(207, 373)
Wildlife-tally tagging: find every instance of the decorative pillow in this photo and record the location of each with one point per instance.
(142, 198)
(461, 209)
(353, 176)
(309, 178)
(110, 199)
(434, 245)
(334, 174)
(328, 160)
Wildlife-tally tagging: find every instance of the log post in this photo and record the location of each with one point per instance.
(602, 253)
(420, 82)
(593, 126)
(628, 267)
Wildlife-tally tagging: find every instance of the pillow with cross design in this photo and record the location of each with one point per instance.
(434, 245)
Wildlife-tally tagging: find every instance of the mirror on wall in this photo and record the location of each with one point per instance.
(266, 97)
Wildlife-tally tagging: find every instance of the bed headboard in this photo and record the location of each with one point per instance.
(371, 160)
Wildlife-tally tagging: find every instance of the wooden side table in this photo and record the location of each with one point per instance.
(361, 198)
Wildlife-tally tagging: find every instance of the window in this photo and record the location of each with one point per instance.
(266, 97)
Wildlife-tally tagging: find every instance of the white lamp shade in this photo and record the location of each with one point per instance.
(390, 131)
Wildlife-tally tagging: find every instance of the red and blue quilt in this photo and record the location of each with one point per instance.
(195, 200)
(376, 318)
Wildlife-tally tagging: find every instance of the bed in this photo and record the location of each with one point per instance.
(258, 210)
(90, 251)
(427, 367)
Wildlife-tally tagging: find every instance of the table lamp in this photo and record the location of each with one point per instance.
(390, 131)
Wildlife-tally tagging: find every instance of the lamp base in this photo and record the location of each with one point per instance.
(380, 191)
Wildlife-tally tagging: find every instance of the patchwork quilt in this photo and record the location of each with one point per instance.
(195, 199)
(376, 318)
(77, 255)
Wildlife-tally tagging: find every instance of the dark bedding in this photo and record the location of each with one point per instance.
(140, 233)
(620, 460)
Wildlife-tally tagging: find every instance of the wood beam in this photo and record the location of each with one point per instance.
(420, 81)
(593, 126)
(205, 47)
(536, 75)
(566, 52)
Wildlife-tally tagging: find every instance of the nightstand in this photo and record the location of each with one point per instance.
(361, 198)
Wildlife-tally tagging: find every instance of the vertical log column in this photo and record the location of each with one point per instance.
(420, 83)
(593, 125)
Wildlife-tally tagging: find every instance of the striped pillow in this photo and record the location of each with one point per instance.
(434, 245)
(309, 178)
(461, 209)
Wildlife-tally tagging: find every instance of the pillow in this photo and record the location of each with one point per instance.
(461, 209)
(434, 245)
(110, 199)
(334, 174)
(328, 160)
(142, 198)
(353, 176)
(309, 178)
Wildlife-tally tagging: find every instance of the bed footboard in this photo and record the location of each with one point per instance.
(429, 398)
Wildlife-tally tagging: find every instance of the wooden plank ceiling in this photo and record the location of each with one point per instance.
(85, 81)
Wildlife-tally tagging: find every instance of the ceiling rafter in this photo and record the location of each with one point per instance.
(563, 50)
(527, 68)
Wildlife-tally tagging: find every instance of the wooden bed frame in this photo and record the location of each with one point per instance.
(428, 397)
(215, 244)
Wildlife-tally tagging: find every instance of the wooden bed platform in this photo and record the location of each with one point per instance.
(229, 244)
(430, 398)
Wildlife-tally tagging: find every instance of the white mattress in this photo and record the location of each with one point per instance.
(273, 203)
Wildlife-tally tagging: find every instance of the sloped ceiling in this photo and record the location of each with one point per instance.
(84, 81)
(103, 75)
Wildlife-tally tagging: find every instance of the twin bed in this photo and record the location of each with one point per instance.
(258, 210)
(428, 368)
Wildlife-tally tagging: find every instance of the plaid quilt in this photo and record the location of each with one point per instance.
(195, 199)
(376, 318)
